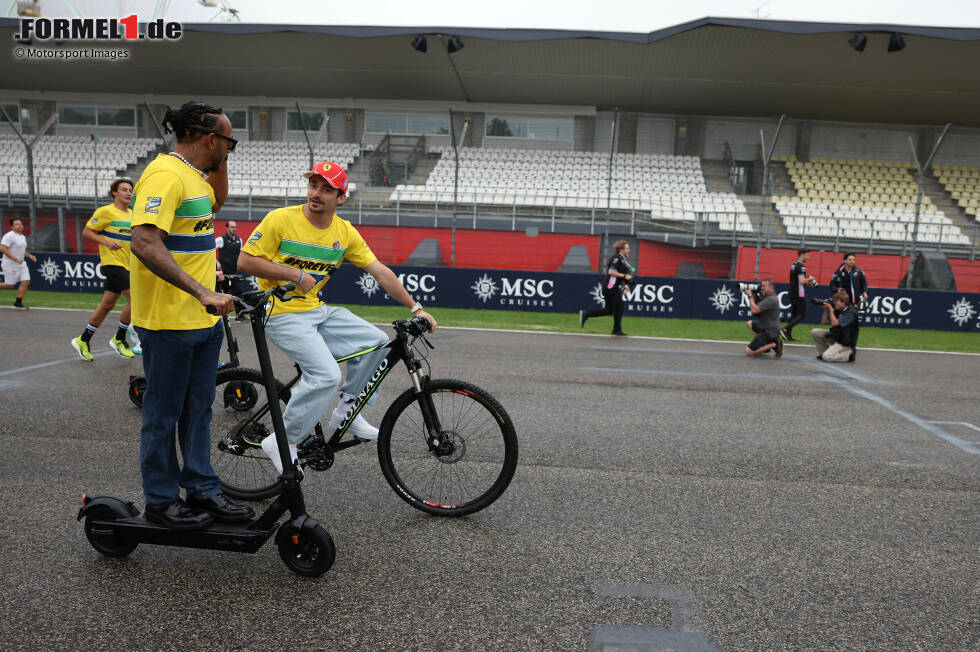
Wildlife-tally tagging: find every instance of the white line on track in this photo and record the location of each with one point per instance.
(42, 365)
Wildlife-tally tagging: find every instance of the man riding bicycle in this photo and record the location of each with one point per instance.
(306, 243)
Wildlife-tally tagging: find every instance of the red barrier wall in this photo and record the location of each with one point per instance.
(659, 259)
(547, 251)
(882, 270)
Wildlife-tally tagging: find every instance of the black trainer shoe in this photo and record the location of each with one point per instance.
(222, 509)
(621, 333)
(178, 516)
(779, 348)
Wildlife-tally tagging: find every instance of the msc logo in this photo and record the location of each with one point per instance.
(516, 291)
(887, 310)
(962, 312)
(422, 286)
(367, 284)
(647, 297)
(723, 299)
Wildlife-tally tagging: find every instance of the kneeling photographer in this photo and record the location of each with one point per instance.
(763, 303)
(837, 343)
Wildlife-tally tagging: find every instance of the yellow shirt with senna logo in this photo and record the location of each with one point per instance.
(287, 238)
(113, 224)
(174, 198)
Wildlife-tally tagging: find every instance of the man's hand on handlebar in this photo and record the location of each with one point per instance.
(429, 318)
(218, 303)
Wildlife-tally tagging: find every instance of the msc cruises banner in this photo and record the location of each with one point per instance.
(437, 287)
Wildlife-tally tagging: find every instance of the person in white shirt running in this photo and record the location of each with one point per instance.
(13, 246)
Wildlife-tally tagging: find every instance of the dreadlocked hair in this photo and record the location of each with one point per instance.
(189, 118)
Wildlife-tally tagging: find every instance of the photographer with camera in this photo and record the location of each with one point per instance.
(763, 303)
(836, 344)
(851, 279)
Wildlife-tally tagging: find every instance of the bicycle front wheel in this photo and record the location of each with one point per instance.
(468, 466)
(240, 420)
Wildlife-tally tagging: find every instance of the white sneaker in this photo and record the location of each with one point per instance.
(134, 340)
(271, 449)
(359, 427)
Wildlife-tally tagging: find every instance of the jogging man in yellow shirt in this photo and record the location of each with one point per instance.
(110, 229)
(173, 280)
(306, 244)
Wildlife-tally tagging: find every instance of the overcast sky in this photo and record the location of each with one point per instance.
(599, 15)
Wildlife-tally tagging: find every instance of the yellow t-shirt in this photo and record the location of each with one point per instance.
(174, 198)
(112, 223)
(287, 238)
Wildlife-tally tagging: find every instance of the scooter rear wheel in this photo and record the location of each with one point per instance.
(104, 538)
(309, 553)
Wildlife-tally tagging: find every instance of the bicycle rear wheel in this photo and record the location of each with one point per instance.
(240, 420)
(470, 467)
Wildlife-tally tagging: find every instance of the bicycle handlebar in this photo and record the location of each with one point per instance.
(257, 298)
(417, 326)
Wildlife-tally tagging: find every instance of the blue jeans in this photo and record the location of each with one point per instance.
(313, 339)
(180, 368)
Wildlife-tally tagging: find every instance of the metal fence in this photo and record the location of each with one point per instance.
(552, 212)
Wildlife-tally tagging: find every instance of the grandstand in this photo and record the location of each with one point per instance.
(71, 166)
(268, 169)
(664, 186)
(963, 184)
(860, 199)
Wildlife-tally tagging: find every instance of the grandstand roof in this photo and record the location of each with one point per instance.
(712, 66)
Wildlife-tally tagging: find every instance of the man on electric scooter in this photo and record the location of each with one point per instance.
(172, 286)
(306, 244)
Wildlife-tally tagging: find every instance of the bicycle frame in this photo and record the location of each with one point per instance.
(398, 351)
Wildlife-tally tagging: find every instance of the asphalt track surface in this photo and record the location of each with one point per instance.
(668, 493)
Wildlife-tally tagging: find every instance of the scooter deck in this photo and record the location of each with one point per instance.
(236, 537)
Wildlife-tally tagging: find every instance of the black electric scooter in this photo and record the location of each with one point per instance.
(115, 527)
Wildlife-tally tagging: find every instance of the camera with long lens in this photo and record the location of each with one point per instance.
(821, 302)
(754, 288)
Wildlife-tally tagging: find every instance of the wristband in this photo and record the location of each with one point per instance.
(415, 308)
(300, 279)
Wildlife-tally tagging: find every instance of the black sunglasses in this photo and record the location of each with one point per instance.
(232, 143)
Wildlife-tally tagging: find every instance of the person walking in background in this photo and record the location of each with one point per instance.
(229, 246)
(798, 279)
(851, 279)
(619, 273)
(13, 246)
(110, 228)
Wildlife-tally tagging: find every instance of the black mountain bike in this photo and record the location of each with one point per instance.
(445, 446)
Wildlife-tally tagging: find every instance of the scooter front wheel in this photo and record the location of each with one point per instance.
(103, 536)
(306, 552)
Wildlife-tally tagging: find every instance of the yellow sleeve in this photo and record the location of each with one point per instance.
(358, 252)
(100, 219)
(265, 239)
(159, 197)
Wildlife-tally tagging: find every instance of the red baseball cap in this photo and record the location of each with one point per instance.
(332, 173)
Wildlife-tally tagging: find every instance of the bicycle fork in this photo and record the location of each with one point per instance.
(430, 417)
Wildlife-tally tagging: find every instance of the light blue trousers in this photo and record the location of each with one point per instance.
(313, 339)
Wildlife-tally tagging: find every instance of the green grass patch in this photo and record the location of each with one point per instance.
(871, 336)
